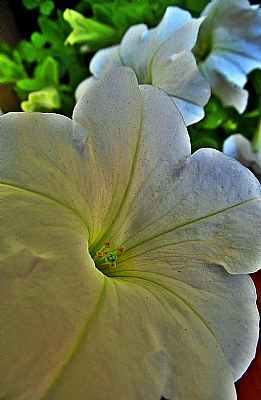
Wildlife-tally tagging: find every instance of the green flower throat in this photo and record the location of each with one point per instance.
(107, 257)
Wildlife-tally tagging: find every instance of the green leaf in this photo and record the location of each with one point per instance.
(38, 39)
(48, 72)
(127, 15)
(111, 19)
(50, 29)
(87, 30)
(29, 85)
(6, 49)
(230, 125)
(255, 77)
(195, 5)
(45, 75)
(215, 114)
(27, 51)
(10, 71)
(31, 4)
(49, 63)
(103, 13)
(45, 100)
(45, 6)
(205, 142)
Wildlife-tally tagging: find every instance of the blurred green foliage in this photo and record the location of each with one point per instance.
(111, 19)
(44, 62)
(45, 6)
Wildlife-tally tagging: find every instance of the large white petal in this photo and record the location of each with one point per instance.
(46, 154)
(148, 343)
(181, 40)
(191, 113)
(138, 138)
(173, 20)
(224, 304)
(50, 290)
(58, 189)
(233, 66)
(210, 212)
(239, 147)
(245, 50)
(84, 86)
(235, 31)
(225, 64)
(180, 78)
(105, 59)
(219, 12)
(134, 51)
(50, 154)
(228, 92)
(70, 332)
(163, 68)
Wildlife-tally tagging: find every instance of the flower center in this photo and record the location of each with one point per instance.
(107, 256)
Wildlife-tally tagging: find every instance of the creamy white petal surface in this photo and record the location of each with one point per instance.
(104, 60)
(230, 37)
(239, 147)
(229, 93)
(158, 56)
(176, 317)
(134, 52)
(186, 87)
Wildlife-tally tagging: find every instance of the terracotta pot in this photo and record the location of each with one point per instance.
(249, 386)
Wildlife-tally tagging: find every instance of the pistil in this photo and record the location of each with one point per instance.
(107, 256)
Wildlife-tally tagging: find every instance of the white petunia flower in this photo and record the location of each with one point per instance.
(123, 256)
(228, 48)
(161, 57)
(240, 148)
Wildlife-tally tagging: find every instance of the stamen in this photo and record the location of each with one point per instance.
(120, 250)
(107, 257)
